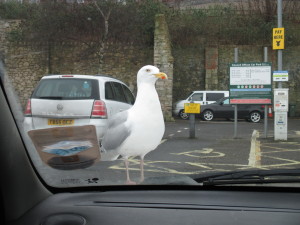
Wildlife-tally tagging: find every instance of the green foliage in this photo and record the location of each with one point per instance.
(134, 22)
(130, 22)
(16, 10)
(218, 25)
(15, 35)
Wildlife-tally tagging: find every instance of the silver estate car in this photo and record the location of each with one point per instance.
(74, 100)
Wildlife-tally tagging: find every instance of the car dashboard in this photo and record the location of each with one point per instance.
(207, 207)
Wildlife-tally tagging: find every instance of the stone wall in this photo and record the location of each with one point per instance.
(25, 65)
(189, 68)
(211, 68)
(163, 59)
(186, 4)
(121, 60)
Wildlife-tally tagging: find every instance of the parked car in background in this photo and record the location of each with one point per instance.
(202, 97)
(222, 109)
(67, 100)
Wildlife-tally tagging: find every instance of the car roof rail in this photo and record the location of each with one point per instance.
(46, 75)
(96, 75)
(103, 75)
(108, 76)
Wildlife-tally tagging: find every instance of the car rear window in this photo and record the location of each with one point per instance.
(129, 97)
(118, 92)
(67, 88)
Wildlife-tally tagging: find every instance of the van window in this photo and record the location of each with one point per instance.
(214, 96)
(73, 89)
(197, 97)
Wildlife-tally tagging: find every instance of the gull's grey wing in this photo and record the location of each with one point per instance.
(117, 131)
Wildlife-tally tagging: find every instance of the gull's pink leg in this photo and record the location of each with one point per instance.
(128, 181)
(142, 169)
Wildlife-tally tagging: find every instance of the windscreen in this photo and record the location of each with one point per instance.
(135, 95)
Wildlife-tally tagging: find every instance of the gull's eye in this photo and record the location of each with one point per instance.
(148, 70)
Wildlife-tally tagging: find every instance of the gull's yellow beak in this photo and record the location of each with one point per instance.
(162, 76)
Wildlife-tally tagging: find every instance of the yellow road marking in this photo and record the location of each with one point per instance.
(163, 141)
(283, 150)
(282, 159)
(151, 167)
(255, 157)
(197, 153)
(273, 147)
(198, 165)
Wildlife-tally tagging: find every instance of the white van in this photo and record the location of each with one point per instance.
(202, 97)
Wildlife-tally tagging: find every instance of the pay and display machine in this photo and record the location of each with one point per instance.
(281, 107)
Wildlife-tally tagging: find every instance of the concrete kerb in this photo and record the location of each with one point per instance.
(254, 155)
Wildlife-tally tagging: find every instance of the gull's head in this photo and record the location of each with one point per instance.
(150, 74)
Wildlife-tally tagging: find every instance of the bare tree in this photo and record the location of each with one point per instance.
(103, 39)
(268, 8)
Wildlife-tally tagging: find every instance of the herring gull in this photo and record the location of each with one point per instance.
(140, 129)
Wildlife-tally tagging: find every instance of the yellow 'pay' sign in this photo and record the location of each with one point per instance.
(191, 107)
(278, 38)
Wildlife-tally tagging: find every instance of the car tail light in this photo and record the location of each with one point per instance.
(28, 108)
(99, 110)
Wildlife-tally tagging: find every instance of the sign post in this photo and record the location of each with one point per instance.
(192, 109)
(281, 120)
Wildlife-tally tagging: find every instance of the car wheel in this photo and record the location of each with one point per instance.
(255, 117)
(183, 115)
(208, 115)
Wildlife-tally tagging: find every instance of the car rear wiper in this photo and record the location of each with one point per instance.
(250, 177)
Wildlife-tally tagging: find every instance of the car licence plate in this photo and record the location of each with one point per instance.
(60, 122)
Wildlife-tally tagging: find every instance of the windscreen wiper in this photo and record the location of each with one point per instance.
(250, 177)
